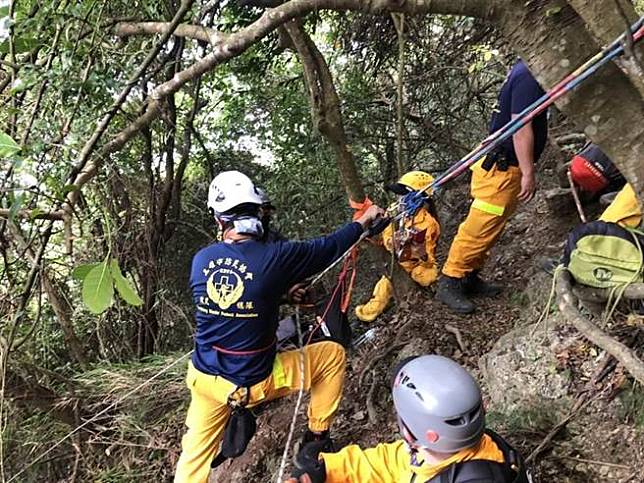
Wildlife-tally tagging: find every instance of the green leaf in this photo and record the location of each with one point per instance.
(33, 214)
(123, 286)
(81, 271)
(69, 188)
(98, 288)
(20, 45)
(7, 145)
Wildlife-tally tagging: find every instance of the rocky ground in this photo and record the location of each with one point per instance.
(533, 375)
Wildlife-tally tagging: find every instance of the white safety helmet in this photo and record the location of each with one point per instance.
(230, 189)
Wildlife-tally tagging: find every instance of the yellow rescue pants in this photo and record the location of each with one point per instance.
(382, 293)
(423, 273)
(495, 199)
(324, 367)
(624, 209)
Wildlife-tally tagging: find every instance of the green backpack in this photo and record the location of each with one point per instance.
(604, 255)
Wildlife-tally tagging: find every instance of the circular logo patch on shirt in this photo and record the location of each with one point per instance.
(224, 287)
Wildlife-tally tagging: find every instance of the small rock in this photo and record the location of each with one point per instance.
(358, 416)
(560, 201)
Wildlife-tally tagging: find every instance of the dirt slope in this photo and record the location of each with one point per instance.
(419, 325)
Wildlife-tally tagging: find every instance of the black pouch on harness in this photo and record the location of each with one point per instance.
(240, 429)
(333, 322)
(497, 156)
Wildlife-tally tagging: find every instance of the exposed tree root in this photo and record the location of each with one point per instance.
(371, 406)
(634, 291)
(375, 360)
(457, 334)
(567, 303)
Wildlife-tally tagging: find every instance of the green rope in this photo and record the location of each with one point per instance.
(546, 310)
(613, 299)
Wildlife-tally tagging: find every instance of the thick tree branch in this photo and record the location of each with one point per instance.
(470, 8)
(89, 146)
(325, 106)
(57, 215)
(238, 42)
(196, 32)
(568, 306)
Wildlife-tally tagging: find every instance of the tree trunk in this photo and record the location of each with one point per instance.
(58, 302)
(149, 327)
(325, 106)
(603, 19)
(607, 107)
(63, 311)
(606, 21)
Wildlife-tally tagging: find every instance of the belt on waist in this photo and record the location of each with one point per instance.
(250, 352)
(502, 161)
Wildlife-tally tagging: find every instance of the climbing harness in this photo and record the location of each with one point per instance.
(412, 200)
(246, 352)
(333, 321)
(410, 206)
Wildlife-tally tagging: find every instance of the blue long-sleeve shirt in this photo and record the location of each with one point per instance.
(519, 91)
(236, 288)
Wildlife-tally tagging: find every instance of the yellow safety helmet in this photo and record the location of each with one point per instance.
(414, 180)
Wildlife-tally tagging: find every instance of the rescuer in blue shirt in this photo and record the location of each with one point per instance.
(499, 182)
(236, 288)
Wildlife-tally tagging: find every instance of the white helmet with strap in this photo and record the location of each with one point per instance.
(230, 189)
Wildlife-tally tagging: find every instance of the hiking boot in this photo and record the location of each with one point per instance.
(324, 436)
(451, 291)
(475, 285)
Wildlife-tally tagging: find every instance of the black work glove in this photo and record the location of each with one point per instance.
(308, 467)
(298, 293)
(378, 226)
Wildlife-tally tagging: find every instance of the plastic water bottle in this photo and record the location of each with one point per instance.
(366, 337)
